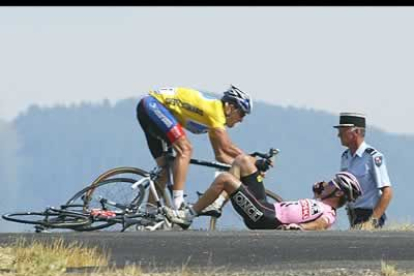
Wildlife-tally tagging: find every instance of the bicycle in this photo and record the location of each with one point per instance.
(50, 218)
(128, 190)
(79, 220)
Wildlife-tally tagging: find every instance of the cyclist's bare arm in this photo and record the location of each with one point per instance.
(224, 149)
(318, 224)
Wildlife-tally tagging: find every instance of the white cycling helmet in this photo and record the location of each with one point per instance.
(348, 183)
(238, 97)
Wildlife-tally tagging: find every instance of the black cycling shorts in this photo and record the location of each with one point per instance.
(156, 133)
(254, 183)
(156, 139)
(256, 214)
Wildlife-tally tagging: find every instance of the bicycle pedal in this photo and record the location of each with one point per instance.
(155, 226)
(211, 213)
(168, 224)
(177, 227)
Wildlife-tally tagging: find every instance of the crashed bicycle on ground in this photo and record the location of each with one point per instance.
(134, 196)
(116, 200)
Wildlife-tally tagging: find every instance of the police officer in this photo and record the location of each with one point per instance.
(368, 165)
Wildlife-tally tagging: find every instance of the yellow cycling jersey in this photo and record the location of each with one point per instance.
(194, 110)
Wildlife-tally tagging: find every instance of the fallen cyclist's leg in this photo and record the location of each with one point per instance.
(256, 214)
(243, 168)
(223, 182)
(227, 183)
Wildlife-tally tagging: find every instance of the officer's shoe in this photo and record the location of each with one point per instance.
(180, 217)
(211, 210)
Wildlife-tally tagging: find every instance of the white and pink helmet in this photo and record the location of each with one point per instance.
(348, 183)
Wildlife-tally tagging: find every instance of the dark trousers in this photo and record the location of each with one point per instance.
(359, 215)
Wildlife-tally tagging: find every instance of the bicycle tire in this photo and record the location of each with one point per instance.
(96, 225)
(117, 171)
(274, 196)
(51, 219)
(114, 189)
(127, 172)
(118, 192)
(269, 194)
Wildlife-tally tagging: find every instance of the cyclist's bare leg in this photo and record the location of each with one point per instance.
(162, 180)
(242, 165)
(225, 182)
(184, 150)
(235, 169)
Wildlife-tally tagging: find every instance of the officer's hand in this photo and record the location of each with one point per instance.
(263, 164)
(365, 226)
(371, 224)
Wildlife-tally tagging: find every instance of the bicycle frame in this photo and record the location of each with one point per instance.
(149, 180)
(155, 173)
(130, 213)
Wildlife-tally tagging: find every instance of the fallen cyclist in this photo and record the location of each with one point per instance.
(244, 185)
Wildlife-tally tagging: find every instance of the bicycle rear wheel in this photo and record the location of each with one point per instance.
(101, 195)
(134, 173)
(117, 190)
(124, 172)
(50, 219)
(271, 197)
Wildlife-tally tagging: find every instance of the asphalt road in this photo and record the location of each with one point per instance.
(247, 250)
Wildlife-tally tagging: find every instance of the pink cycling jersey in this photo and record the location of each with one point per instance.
(304, 210)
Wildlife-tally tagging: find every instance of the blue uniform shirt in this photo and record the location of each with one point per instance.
(368, 166)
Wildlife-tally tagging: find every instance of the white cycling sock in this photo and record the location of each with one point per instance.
(178, 198)
(218, 203)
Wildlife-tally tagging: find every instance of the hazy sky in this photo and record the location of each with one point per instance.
(327, 58)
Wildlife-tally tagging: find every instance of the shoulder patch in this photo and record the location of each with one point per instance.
(370, 151)
(378, 160)
(344, 154)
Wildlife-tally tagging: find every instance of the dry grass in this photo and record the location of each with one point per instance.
(52, 259)
(131, 270)
(399, 226)
(392, 226)
(49, 259)
(390, 270)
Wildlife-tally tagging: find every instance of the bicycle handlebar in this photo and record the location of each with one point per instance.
(218, 165)
(272, 152)
(222, 166)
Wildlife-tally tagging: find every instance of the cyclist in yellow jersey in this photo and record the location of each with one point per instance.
(165, 113)
(192, 109)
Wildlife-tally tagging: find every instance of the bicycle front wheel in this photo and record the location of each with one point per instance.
(48, 219)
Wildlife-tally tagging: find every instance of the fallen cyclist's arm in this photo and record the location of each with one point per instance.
(318, 224)
(224, 149)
